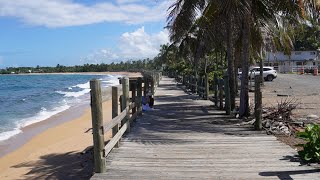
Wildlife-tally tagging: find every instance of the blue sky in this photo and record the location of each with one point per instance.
(73, 32)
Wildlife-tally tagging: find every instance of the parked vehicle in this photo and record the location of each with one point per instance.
(268, 73)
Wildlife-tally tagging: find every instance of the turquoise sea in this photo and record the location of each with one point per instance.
(27, 99)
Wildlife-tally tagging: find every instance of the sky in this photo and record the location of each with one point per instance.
(76, 32)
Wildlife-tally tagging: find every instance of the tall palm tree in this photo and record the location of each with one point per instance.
(247, 15)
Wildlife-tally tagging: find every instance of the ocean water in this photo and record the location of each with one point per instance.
(27, 99)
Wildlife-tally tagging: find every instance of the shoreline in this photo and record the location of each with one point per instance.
(59, 145)
(28, 132)
(60, 138)
(129, 74)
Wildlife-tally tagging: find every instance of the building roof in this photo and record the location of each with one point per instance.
(295, 56)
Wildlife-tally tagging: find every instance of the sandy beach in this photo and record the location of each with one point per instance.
(55, 148)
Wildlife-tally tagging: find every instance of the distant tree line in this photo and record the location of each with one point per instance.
(133, 66)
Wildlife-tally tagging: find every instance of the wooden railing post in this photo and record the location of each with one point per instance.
(221, 93)
(139, 95)
(206, 82)
(158, 78)
(183, 79)
(133, 96)
(258, 103)
(97, 127)
(146, 85)
(196, 83)
(152, 84)
(227, 95)
(125, 100)
(215, 88)
(115, 110)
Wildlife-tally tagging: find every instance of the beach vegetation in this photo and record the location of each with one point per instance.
(132, 65)
(311, 149)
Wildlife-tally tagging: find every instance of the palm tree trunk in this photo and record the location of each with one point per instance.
(230, 59)
(196, 62)
(244, 94)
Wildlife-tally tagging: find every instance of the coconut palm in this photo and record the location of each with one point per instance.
(247, 16)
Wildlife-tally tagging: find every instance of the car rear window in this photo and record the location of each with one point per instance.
(267, 69)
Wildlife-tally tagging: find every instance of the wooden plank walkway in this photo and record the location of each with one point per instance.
(186, 138)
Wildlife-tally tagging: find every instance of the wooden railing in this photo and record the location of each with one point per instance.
(121, 121)
(201, 86)
(196, 85)
(152, 78)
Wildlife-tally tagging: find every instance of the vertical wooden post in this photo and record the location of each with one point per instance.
(258, 103)
(196, 82)
(220, 86)
(139, 95)
(206, 84)
(215, 88)
(227, 95)
(198, 85)
(158, 78)
(115, 110)
(187, 82)
(192, 84)
(133, 96)
(97, 127)
(146, 85)
(183, 80)
(152, 85)
(125, 100)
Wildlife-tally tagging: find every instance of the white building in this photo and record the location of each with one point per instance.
(294, 62)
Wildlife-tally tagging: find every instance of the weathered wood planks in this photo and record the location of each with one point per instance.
(188, 139)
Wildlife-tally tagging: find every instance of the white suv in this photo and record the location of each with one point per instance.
(268, 73)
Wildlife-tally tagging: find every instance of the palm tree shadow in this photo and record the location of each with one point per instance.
(70, 165)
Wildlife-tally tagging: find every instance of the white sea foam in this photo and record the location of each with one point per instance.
(41, 116)
(83, 86)
(74, 94)
(6, 135)
(112, 81)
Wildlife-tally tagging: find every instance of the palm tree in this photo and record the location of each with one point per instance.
(245, 15)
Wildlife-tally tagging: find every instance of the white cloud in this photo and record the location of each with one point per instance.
(132, 45)
(139, 44)
(61, 13)
(127, 1)
(100, 56)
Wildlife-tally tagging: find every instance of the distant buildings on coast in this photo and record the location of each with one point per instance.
(292, 63)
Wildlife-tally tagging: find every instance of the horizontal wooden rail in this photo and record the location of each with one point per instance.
(118, 94)
(117, 120)
(132, 105)
(116, 138)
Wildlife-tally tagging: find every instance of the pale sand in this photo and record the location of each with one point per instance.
(56, 153)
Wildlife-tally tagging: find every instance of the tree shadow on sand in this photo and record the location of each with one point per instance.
(71, 165)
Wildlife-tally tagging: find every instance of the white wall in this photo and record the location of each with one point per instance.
(295, 56)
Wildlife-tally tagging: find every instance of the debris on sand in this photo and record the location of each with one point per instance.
(278, 119)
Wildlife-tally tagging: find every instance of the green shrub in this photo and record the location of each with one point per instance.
(311, 149)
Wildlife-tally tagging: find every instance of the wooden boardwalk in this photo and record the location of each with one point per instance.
(187, 138)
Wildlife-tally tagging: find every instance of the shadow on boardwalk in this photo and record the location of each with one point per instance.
(69, 165)
(187, 138)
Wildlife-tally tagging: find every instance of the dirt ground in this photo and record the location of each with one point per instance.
(302, 89)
